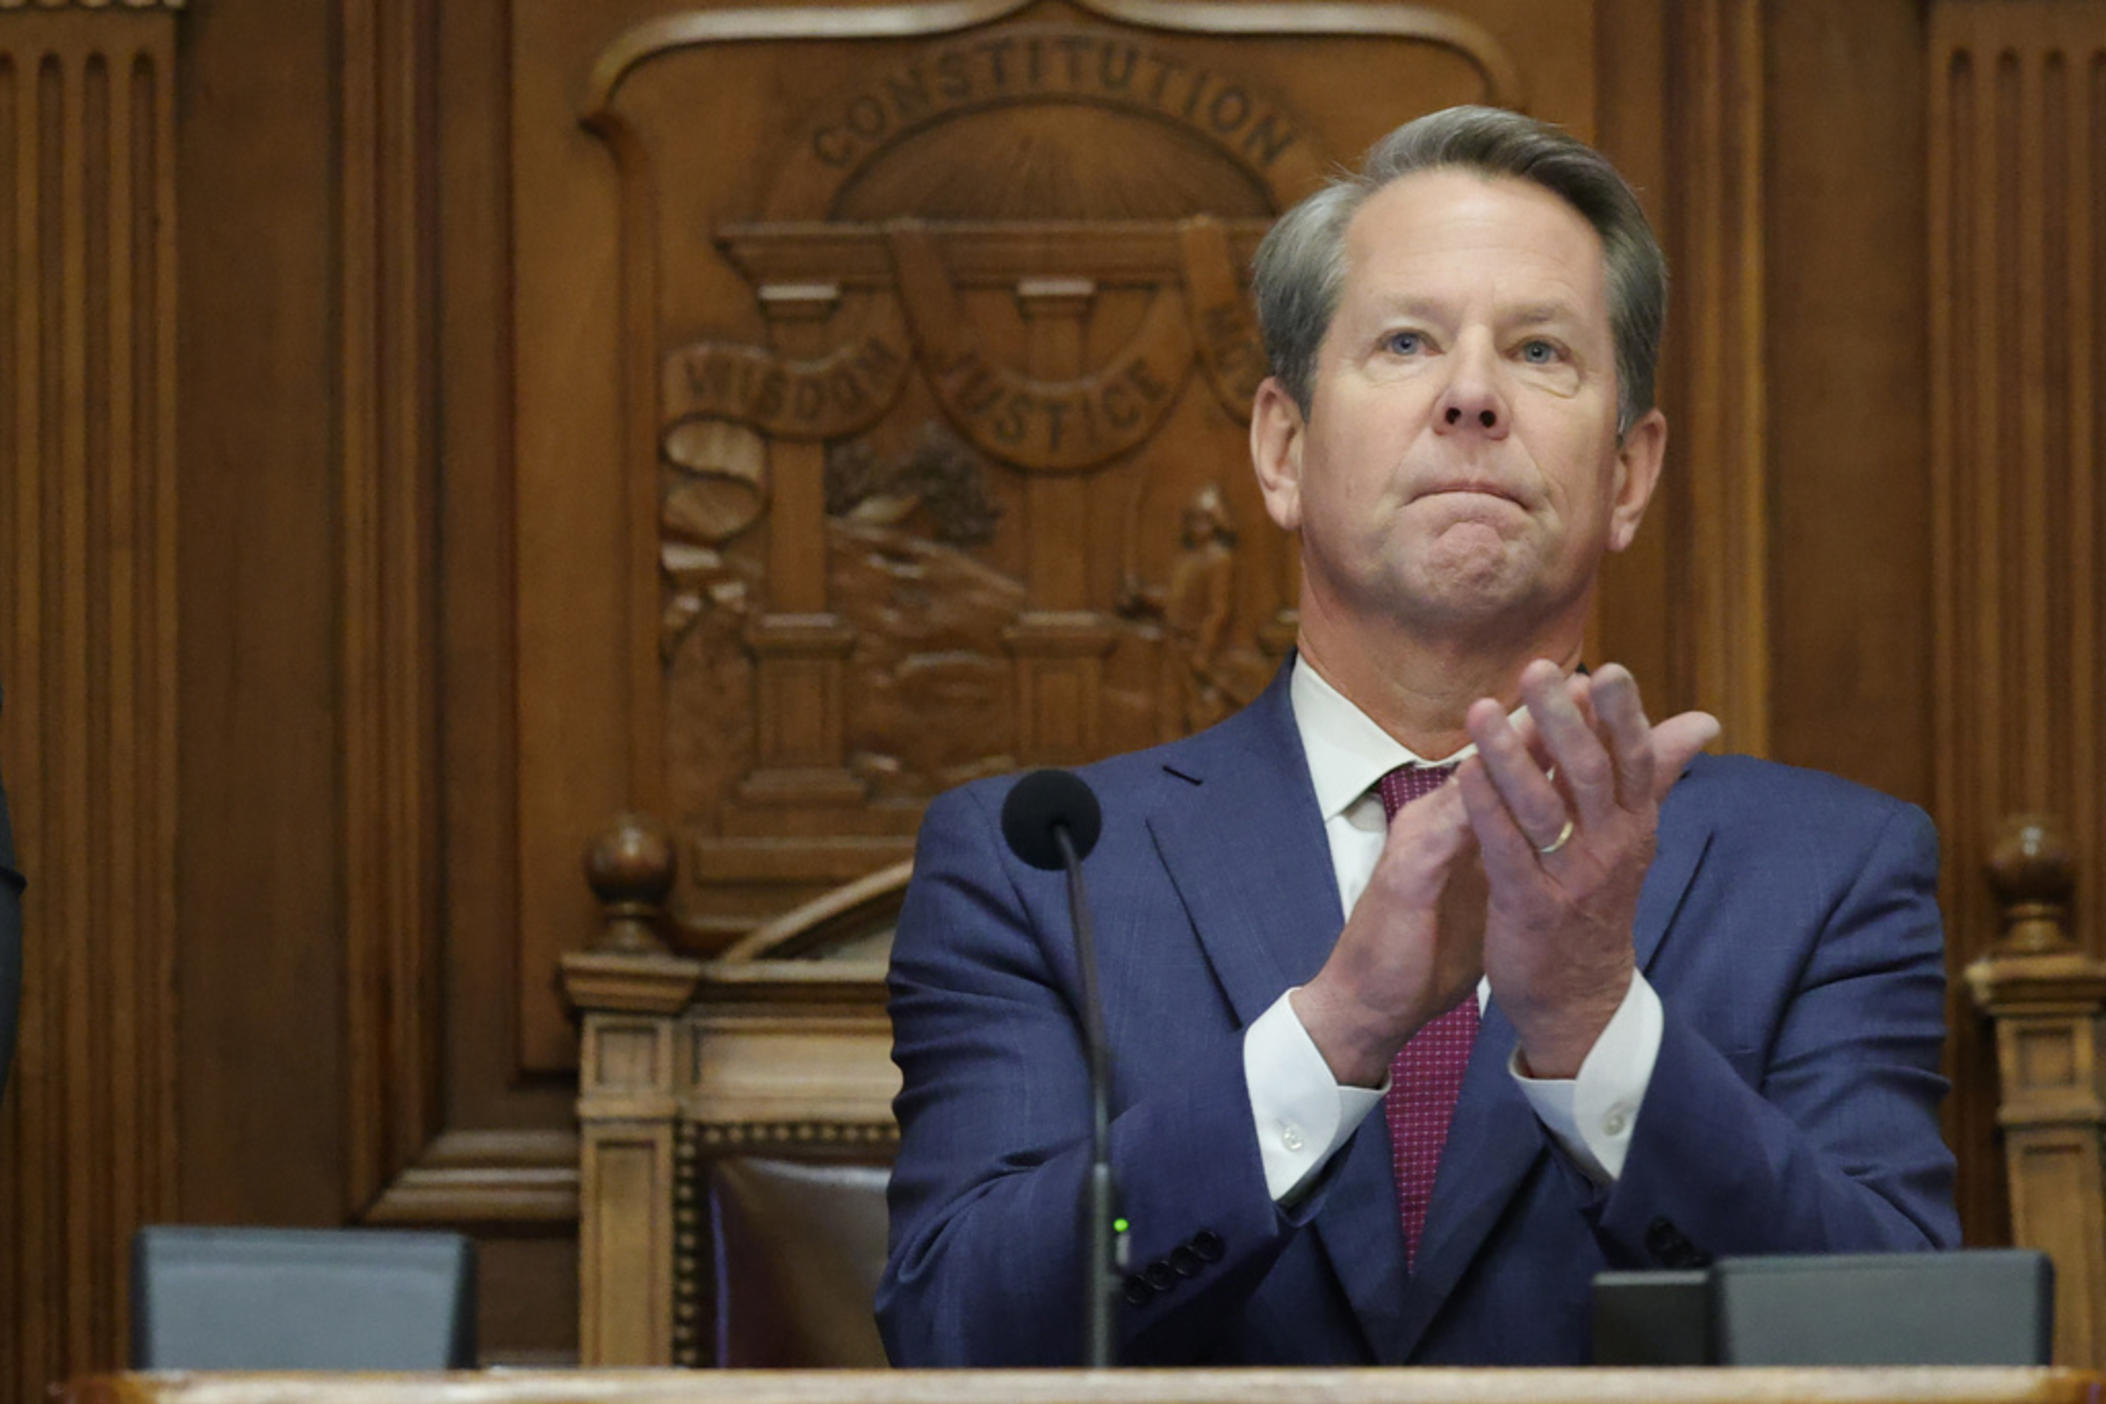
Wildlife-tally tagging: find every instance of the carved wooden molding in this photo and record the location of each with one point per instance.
(625, 1242)
(692, 1284)
(114, 7)
(2047, 999)
(631, 983)
(389, 712)
(783, 1135)
(483, 1177)
(1716, 155)
(88, 652)
(821, 922)
(1424, 23)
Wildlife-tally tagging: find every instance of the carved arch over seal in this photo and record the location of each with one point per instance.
(1254, 130)
(641, 43)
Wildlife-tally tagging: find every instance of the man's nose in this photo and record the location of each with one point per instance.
(1472, 402)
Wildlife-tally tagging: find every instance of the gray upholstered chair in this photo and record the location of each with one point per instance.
(301, 1299)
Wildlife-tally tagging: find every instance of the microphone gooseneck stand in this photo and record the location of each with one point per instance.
(1051, 820)
(1101, 1241)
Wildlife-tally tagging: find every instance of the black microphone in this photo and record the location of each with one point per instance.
(1042, 804)
(1051, 820)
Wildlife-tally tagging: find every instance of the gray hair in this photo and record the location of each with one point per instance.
(1301, 265)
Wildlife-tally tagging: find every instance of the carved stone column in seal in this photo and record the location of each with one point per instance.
(800, 646)
(1058, 643)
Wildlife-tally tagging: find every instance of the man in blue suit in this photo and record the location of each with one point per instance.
(1622, 1005)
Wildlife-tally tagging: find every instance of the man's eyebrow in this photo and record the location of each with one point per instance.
(1537, 313)
(1532, 314)
(1410, 305)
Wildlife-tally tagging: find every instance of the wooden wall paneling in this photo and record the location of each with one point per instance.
(1716, 153)
(387, 707)
(570, 554)
(87, 427)
(87, 1150)
(1848, 289)
(1850, 302)
(1635, 622)
(442, 1132)
(261, 1072)
(1682, 112)
(2017, 178)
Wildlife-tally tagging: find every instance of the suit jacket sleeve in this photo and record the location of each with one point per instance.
(986, 1196)
(1827, 1139)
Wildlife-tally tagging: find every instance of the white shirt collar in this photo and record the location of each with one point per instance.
(1348, 753)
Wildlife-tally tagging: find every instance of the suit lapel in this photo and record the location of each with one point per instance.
(1362, 1236)
(1493, 1143)
(1242, 839)
(1684, 836)
(1240, 835)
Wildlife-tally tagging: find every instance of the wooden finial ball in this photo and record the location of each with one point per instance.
(631, 864)
(2030, 864)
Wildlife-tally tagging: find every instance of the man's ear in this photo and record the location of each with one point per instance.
(1638, 460)
(1276, 436)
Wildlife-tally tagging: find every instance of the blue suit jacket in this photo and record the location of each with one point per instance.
(1789, 923)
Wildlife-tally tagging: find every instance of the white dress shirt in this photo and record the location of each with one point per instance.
(1303, 1114)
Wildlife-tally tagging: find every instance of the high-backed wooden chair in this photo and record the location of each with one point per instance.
(736, 1126)
(2047, 998)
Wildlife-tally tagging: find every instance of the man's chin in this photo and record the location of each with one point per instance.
(1475, 593)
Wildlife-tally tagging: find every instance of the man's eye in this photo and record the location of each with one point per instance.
(1404, 343)
(1539, 352)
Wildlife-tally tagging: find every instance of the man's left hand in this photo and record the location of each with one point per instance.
(1565, 807)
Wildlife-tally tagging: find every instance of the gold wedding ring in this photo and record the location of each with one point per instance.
(1546, 849)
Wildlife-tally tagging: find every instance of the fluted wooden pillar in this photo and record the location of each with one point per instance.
(87, 656)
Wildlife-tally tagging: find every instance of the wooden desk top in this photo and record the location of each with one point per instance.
(1943, 1385)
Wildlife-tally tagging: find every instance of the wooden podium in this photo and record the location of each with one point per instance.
(1393, 1386)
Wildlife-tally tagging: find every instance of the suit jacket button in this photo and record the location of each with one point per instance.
(1138, 1291)
(1209, 1246)
(1670, 1246)
(1185, 1261)
(1160, 1275)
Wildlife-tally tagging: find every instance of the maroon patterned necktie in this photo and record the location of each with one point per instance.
(1427, 1074)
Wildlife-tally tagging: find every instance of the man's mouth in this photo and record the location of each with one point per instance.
(1471, 487)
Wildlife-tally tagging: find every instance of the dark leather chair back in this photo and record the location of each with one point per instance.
(301, 1299)
(800, 1246)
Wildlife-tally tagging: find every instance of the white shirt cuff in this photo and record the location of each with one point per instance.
(1592, 1116)
(1302, 1114)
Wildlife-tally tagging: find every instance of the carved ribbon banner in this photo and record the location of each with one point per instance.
(1226, 334)
(1050, 426)
(844, 391)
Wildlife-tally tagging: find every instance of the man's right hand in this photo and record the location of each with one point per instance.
(1412, 948)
